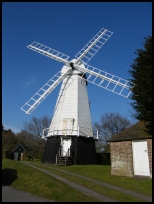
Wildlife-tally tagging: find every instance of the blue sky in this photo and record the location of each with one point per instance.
(67, 27)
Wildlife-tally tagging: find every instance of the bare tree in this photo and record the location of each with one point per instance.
(109, 125)
(33, 130)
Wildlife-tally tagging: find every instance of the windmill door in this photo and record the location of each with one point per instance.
(140, 158)
(67, 126)
(66, 143)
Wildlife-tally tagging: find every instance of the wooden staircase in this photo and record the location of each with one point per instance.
(63, 160)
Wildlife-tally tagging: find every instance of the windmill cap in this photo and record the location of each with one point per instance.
(71, 65)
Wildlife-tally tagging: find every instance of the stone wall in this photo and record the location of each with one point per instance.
(149, 143)
(121, 158)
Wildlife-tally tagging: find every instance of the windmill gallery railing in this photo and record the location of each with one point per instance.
(72, 130)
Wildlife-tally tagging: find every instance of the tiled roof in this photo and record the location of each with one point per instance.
(137, 131)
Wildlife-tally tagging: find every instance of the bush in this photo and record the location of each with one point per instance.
(103, 158)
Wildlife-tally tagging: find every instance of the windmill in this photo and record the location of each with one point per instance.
(70, 134)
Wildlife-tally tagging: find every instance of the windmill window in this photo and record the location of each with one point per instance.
(68, 125)
(82, 82)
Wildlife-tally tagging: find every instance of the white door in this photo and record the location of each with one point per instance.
(140, 158)
(66, 143)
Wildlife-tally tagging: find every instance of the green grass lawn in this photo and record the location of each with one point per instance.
(90, 170)
(36, 182)
(103, 173)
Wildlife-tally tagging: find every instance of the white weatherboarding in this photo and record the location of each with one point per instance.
(72, 113)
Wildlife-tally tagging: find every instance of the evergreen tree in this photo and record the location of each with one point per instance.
(142, 79)
(8, 141)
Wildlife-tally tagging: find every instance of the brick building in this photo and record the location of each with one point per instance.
(131, 152)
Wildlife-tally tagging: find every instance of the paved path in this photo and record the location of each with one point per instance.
(10, 194)
(129, 192)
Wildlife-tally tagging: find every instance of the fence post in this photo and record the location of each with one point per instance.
(97, 134)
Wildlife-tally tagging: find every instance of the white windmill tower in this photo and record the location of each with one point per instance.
(70, 133)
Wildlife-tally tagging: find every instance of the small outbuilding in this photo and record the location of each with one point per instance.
(131, 152)
(19, 153)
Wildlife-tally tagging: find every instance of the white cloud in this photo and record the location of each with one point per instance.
(31, 81)
(14, 129)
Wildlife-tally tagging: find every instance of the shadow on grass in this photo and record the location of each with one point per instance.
(141, 177)
(8, 176)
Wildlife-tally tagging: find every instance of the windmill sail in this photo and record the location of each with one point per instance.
(30, 105)
(107, 81)
(49, 52)
(92, 47)
(96, 76)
